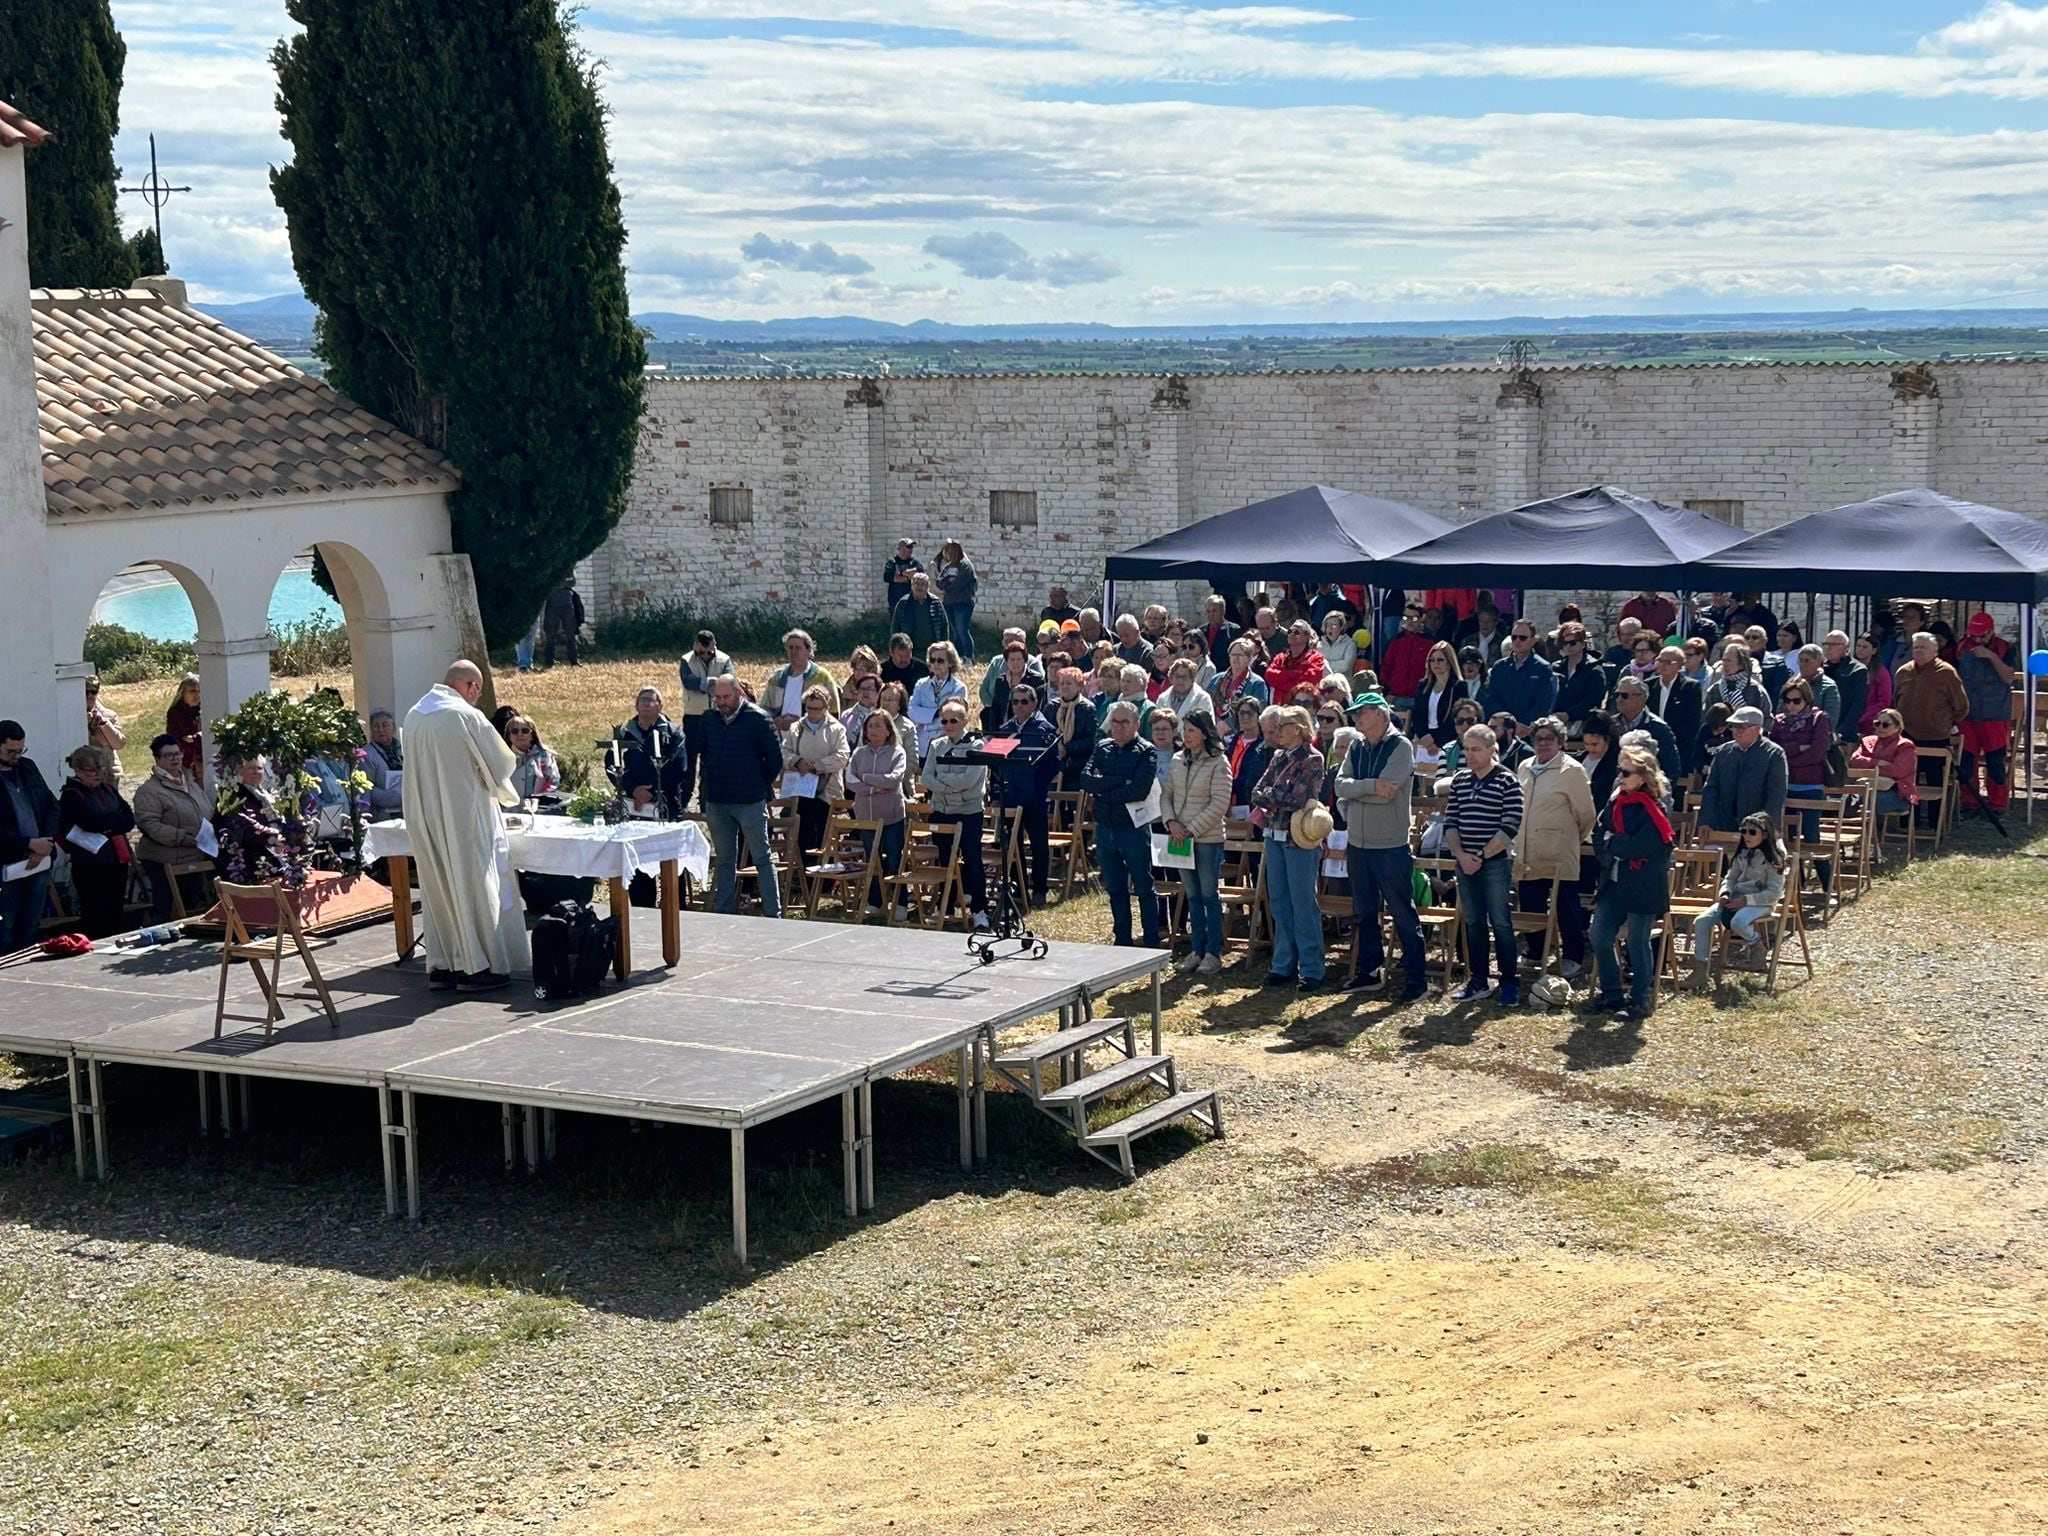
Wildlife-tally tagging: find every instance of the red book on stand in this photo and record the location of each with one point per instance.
(998, 746)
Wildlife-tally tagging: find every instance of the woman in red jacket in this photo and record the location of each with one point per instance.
(1301, 663)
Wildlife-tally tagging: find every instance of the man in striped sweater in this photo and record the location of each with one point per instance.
(1483, 815)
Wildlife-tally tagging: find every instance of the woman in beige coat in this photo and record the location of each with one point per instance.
(1557, 818)
(169, 811)
(1195, 805)
(815, 743)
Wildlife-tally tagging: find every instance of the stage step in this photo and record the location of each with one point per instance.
(1052, 1047)
(1077, 1095)
(1167, 1111)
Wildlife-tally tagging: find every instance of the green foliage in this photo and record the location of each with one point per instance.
(309, 646)
(288, 730)
(60, 63)
(453, 215)
(148, 253)
(669, 629)
(122, 655)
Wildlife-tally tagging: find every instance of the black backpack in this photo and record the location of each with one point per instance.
(572, 949)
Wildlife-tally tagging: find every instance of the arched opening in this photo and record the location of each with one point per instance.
(151, 623)
(312, 630)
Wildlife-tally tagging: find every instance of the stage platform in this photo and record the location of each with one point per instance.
(759, 1017)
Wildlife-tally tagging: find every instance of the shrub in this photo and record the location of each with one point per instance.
(669, 629)
(309, 646)
(122, 655)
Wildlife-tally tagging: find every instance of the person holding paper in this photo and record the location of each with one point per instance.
(28, 836)
(1123, 776)
(657, 772)
(815, 752)
(1027, 785)
(1196, 805)
(94, 822)
(384, 763)
(172, 813)
(459, 774)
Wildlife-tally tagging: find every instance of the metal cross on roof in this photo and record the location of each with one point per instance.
(156, 192)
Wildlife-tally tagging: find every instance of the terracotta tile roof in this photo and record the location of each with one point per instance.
(17, 129)
(144, 403)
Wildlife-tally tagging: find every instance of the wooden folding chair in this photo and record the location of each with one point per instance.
(1786, 920)
(1942, 790)
(1443, 921)
(1241, 886)
(1888, 829)
(177, 872)
(265, 906)
(1073, 822)
(844, 860)
(1544, 922)
(927, 884)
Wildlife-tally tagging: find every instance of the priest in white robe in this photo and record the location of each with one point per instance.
(458, 773)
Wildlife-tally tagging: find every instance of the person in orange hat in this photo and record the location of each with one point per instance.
(1984, 661)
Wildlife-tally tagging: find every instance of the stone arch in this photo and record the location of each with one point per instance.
(365, 598)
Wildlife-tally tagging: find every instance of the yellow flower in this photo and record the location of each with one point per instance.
(359, 783)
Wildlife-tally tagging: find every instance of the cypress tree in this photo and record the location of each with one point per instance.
(60, 62)
(453, 215)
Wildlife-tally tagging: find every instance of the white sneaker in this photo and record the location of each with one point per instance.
(1187, 963)
(1210, 965)
(1570, 970)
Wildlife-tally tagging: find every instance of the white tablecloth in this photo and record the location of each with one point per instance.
(557, 845)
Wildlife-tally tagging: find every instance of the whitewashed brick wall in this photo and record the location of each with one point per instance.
(840, 469)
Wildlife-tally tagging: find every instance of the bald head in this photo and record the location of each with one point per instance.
(466, 678)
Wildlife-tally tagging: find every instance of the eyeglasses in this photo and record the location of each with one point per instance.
(1752, 831)
(1331, 719)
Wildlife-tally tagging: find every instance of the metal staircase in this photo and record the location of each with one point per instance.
(1080, 1086)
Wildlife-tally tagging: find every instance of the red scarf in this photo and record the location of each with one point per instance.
(1649, 803)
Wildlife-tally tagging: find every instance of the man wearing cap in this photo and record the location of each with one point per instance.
(920, 615)
(1374, 785)
(1984, 662)
(896, 574)
(1747, 773)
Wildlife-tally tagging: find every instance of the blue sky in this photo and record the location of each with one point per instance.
(1148, 161)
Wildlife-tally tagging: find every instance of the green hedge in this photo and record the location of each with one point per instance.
(123, 655)
(669, 629)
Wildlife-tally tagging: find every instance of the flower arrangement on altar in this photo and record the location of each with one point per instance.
(319, 792)
(590, 806)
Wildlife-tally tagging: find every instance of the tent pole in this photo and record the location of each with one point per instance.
(2029, 690)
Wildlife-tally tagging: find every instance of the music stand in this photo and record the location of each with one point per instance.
(1007, 923)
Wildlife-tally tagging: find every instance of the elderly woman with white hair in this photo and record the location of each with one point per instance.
(1737, 684)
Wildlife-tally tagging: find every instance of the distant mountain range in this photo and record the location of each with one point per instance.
(287, 320)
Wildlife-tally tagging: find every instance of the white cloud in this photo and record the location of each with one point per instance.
(1999, 26)
(815, 257)
(987, 254)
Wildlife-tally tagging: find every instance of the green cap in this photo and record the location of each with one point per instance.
(1369, 701)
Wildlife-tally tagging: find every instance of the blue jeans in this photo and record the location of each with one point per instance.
(973, 877)
(1297, 920)
(961, 617)
(1608, 920)
(1205, 904)
(1384, 877)
(1484, 897)
(1124, 855)
(1809, 821)
(1891, 803)
(522, 652)
(1741, 922)
(728, 823)
(21, 911)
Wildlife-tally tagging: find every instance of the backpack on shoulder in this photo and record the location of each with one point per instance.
(572, 949)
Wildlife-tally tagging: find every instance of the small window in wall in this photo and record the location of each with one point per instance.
(731, 506)
(1013, 509)
(1729, 512)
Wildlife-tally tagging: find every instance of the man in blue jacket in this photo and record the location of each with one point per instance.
(1632, 712)
(1521, 683)
(738, 768)
(1123, 772)
(1027, 787)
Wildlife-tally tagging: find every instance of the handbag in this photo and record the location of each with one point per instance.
(1837, 769)
(1435, 838)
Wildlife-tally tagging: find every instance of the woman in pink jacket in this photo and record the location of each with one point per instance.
(1897, 761)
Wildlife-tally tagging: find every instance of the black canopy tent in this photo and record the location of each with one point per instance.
(1917, 541)
(1315, 534)
(1599, 537)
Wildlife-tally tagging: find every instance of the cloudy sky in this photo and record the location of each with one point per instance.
(1142, 161)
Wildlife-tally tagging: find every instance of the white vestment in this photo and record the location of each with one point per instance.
(457, 773)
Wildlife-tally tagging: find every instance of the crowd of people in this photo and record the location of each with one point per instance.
(1545, 766)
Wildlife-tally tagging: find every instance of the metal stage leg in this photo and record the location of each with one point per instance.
(739, 1193)
(867, 1146)
(849, 1153)
(205, 1113)
(227, 1110)
(412, 1156)
(385, 1131)
(984, 1048)
(78, 1116)
(242, 1083)
(1155, 1015)
(505, 1122)
(961, 1070)
(547, 1135)
(99, 1115)
(532, 1138)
